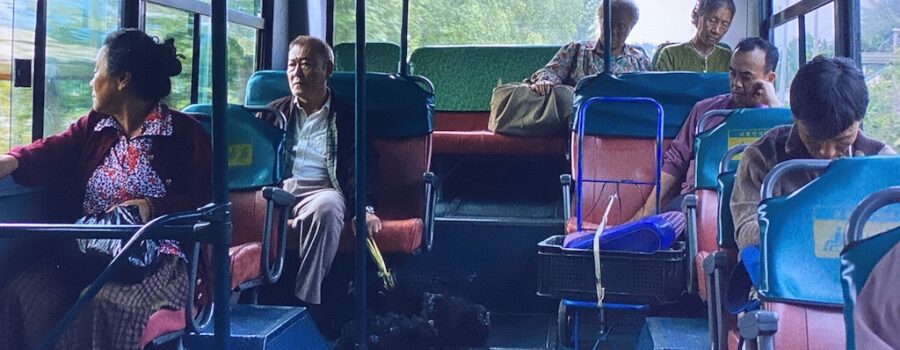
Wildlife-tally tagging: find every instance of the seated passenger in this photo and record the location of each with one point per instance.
(750, 81)
(128, 150)
(877, 311)
(702, 53)
(320, 172)
(828, 100)
(580, 59)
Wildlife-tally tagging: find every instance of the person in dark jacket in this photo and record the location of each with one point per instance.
(129, 150)
(321, 147)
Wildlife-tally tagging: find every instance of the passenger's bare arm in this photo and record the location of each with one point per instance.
(8, 164)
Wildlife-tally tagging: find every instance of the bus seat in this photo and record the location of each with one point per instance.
(254, 171)
(717, 263)
(742, 126)
(865, 257)
(801, 236)
(463, 100)
(398, 115)
(619, 140)
(381, 57)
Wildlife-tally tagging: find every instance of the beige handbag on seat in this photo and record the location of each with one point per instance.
(518, 111)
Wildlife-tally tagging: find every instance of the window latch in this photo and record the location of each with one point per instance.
(22, 73)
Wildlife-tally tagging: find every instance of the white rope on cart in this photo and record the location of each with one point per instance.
(600, 289)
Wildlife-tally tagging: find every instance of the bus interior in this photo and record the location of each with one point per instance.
(473, 214)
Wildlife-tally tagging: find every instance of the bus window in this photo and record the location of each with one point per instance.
(164, 22)
(17, 20)
(534, 22)
(820, 32)
(75, 31)
(880, 42)
(779, 5)
(787, 40)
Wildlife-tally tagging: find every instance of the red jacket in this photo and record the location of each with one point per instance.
(64, 162)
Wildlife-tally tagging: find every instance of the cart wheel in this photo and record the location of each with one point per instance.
(564, 325)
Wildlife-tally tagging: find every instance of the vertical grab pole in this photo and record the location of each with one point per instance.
(607, 36)
(360, 180)
(404, 40)
(660, 122)
(221, 229)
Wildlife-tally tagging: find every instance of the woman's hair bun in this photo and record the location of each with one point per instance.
(169, 57)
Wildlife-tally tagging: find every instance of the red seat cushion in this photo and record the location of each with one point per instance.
(162, 322)
(701, 276)
(460, 121)
(396, 236)
(616, 159)
(484, 142)
(245, 260)
(707, 220)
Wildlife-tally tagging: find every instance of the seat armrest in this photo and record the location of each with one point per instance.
(430, 203)
(689, 207)
(277, 195)
(271, 270)
(565, 180)
(759, 325)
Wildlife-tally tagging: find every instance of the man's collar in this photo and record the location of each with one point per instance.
(794, 147)
(325, 106)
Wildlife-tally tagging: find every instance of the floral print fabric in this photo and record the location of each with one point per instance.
(578, 60)
(126, 172)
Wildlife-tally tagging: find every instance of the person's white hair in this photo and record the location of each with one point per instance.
(621, 7)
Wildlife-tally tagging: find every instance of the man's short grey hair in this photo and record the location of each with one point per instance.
(620, 7)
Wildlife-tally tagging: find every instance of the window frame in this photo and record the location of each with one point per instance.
(846, 25)
(132, 15)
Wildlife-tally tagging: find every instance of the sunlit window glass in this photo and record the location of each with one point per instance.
(17, 19)
(75, 32)
(163, 22)
(880, 41)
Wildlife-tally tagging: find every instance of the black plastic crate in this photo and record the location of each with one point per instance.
(628, 277)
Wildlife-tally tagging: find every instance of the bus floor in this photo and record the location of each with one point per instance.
(497, 262)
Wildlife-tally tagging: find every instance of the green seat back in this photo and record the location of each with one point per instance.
(677, 92)
(801, 234)
(253, 146)
(380, 57)
(741, 126)
(464, 76)
(857, 262)
(396, 106)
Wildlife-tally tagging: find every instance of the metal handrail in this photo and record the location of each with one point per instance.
(701, 124)
(866, 208)
(117, 262)
(725, 162)
(778, 172)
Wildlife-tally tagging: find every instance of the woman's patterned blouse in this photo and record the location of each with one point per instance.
(126, 172)
(578, 60)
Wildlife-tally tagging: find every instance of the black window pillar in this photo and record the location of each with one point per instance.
(847, 30)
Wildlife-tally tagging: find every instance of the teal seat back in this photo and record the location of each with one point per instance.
(724, 188)
(802, 234)
(465, 76)
(857, 262)
(741, 126)
(677, 92)
(396, 106)
(380, 57)
(253, 146)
